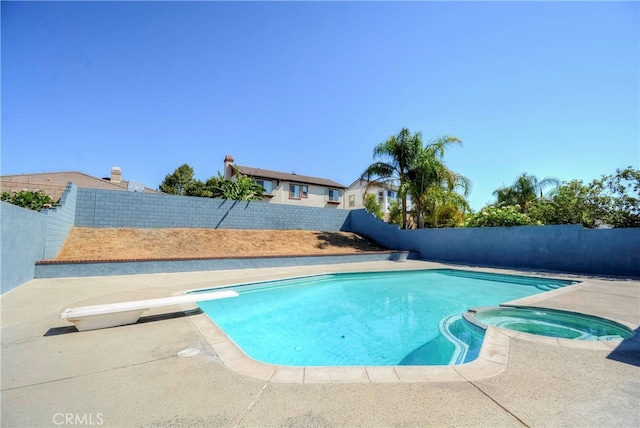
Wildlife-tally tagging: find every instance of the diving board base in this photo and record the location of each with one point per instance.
(106, 320)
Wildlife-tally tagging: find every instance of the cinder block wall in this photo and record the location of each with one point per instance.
(60, 220)
(561, 248)
(363, 222)
(23, 236)
(28, 236)
(110, 208)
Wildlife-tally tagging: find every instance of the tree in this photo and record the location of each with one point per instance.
(180, 182)
(526, 189)
(442, 207)
(395, 212)
(571, 203)
(612, 200)
(433, 186)
(397, 154)
(623, 191)
(407, 163)
(493, 216)
(371, 204)
(243, 188)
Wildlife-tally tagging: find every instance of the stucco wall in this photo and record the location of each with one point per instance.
(317, 196)
(23, 236)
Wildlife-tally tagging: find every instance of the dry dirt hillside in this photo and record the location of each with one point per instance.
(134, 244)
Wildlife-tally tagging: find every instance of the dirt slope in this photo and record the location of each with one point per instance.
(134, 244)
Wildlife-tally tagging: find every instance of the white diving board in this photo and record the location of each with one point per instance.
(115, 314)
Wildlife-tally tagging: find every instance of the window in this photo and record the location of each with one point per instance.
(334, 195)
(352, 200)
(391, 194)
(297, 191)
(267, 185)
(294, 191)
(381, 197)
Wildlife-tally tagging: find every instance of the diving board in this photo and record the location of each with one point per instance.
(122, 313)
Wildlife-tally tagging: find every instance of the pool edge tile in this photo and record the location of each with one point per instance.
(479, 369)
(351, 374)
(288, 374)
(249, 367)
(495, 347)
(317, 375)
(412, 374)
(208, 329)
(382, 374)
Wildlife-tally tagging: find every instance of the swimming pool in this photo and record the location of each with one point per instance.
(367, 319)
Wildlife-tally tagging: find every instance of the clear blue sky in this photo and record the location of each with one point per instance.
(548, 88)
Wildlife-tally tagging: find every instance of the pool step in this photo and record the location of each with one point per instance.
(548, 287)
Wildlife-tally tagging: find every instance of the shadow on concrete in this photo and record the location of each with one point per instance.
(170, 315)
(354, 241)
(56, 331)
(628, 351)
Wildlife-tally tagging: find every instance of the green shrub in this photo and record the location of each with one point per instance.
(395, 212)
(31, 199)
(371, 204)
(499, 216)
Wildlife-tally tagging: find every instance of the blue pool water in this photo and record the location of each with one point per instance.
(366, 319)
(552, 323)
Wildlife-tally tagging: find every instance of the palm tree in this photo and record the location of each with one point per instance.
(432, 181)
(397, 155)
(414, 168)
(526, 189)
(443, 207)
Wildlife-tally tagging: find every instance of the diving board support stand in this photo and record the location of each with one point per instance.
(116, 314)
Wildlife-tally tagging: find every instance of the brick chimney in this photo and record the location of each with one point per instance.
(116, 175)
(228, 166)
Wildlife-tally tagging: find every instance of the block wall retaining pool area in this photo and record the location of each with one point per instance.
(28, 237)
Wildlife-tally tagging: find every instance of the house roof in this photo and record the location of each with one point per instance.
(361, 182)
(62, 178)
(284, 176)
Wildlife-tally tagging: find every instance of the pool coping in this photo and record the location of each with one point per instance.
(492, 359)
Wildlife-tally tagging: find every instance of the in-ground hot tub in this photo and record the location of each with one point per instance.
(549, 322)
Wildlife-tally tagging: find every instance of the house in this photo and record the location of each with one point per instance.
(54, 183)
(290, 188)
(356, 193)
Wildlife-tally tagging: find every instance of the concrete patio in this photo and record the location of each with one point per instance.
(132, 376)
